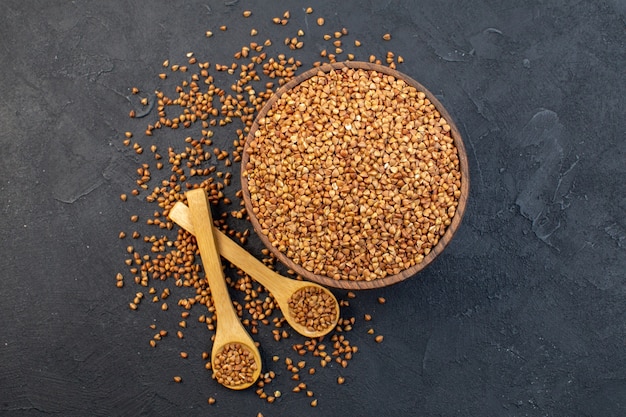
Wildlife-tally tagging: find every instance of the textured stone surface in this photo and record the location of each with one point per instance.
(522, 315)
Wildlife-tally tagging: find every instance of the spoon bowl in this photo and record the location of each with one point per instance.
(290, 294)
(235, 359)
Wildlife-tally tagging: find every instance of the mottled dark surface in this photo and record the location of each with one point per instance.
(524, 314)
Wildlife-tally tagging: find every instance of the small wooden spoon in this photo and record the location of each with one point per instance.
(282, 288)
(229, 331)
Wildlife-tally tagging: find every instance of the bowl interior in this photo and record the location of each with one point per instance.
(389, 279)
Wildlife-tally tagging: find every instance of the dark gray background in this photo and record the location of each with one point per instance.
(522, 315)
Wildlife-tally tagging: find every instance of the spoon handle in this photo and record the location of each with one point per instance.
(282, 288)
(180, 214)
(200, 218)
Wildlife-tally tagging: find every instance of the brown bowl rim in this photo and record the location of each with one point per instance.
(390, 279)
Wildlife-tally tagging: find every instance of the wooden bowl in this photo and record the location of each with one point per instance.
(377, 282)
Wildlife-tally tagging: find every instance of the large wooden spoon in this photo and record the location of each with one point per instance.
(321, 306)
(235, 359)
